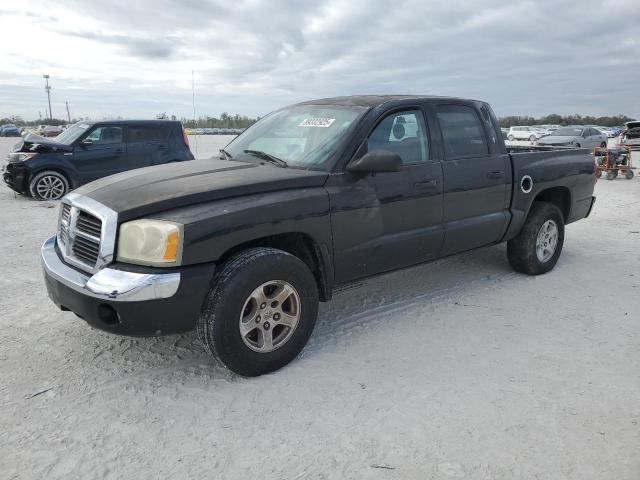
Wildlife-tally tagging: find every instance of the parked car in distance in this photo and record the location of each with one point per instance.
(605, 130)
(575, 136)
(524, 133)
(313, 196)
(51, 131)
(47, 169)
(631, 135)
(9, 130)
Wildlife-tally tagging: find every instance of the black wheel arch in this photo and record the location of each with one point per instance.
(59, 170)
(301, 245)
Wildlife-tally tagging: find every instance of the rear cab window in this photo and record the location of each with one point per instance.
(462, 131)
(147, 133)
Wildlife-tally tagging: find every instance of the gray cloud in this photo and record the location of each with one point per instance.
(528, 57)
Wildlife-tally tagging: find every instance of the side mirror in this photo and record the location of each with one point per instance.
(376, 161)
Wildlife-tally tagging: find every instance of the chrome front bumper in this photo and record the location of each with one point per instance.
(109, 283)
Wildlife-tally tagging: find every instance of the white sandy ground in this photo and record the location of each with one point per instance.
(457, 369)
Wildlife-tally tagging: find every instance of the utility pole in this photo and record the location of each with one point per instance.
(48, 90)
(40, 115)
(68, 114)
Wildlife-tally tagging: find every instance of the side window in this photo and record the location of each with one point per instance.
(403, 133)
(145, 133)
(461, 131)
(105, 135)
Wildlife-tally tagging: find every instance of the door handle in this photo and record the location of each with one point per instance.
(119, 150)
(426, 184)
(495, 175)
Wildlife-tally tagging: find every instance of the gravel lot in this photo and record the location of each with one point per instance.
(457, 369)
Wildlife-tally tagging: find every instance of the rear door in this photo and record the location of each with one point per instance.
(476, 178)
(100, 153)
(595, 138)
(389, 220)
(147, 145)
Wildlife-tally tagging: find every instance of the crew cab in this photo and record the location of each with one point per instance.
(47, 168)
(312, 197)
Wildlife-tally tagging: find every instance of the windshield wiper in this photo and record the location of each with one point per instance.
(226, 154)
(268, 157)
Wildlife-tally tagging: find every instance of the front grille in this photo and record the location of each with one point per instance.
(89, 224)
(79, 236)
(86, 250)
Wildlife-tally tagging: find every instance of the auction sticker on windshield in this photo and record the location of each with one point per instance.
(317, 122)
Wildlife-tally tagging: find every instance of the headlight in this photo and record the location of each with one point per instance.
(20, 157)
(150, 242)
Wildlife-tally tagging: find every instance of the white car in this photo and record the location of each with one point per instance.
(606, 131)
(525, 133)
(631, 135)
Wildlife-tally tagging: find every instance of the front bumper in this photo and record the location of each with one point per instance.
(127, 300)
(15, 176)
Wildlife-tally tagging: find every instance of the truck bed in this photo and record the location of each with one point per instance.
(567, 172)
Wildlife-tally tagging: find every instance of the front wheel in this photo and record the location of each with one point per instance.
(536, 249)
(603, 145)
(532, 138)
(48, 185)
(260, 311)
(612, 174)
(629, 174)
(511, 138)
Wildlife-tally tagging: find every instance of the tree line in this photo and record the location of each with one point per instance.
(226, 120)
(555, 119)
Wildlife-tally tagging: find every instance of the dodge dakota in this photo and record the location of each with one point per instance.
(312, 197)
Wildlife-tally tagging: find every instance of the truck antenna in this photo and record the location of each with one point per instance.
(193, 99)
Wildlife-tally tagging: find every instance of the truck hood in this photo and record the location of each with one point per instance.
(35, 143)
(155, 189)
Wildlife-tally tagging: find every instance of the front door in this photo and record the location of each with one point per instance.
(102, 152)
(476, 179)
(388, 220)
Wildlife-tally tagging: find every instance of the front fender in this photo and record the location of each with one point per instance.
(211, 229)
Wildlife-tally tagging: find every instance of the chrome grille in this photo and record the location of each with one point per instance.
(90, 225)
(80, 234)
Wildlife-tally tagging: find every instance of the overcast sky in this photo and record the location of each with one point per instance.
(134, 58)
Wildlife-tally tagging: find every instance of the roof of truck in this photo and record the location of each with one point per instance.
(373, 100)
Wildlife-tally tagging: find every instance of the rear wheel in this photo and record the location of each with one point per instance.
(536, 249)
(629, 174)
(48, 185)
(260, 311)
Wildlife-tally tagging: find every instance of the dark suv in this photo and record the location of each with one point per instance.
(47, 169)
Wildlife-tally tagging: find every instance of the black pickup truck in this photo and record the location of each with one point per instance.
(313, 196)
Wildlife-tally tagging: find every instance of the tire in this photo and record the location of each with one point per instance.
(48, 185)
(522, 250)
(577, 145)
(603, 145)
(510, 138)
(532, 138)
(231, 300)
(612, 174)
(629, 174)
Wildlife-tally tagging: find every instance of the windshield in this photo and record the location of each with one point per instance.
(304, 136)
(72, 133)
(567, 132)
